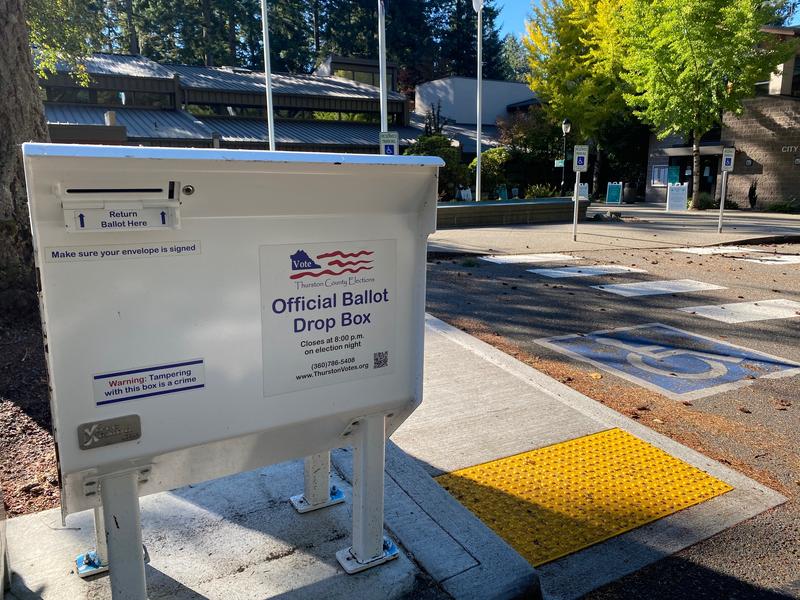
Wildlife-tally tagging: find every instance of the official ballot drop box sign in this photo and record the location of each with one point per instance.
(212, 311)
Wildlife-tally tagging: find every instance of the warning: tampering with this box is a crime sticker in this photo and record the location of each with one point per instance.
(148, 381)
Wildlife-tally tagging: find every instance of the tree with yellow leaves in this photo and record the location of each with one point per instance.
(575, 66)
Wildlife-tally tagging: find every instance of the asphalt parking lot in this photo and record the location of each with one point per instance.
(711, 362)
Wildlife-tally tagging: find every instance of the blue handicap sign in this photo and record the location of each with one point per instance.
(388, 148)
(581, 160)
(676, 363)
(728, 161)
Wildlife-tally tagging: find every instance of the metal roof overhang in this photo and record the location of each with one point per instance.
(687, 150)
(306, 102)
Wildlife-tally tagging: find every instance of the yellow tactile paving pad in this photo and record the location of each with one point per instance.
(556, 500)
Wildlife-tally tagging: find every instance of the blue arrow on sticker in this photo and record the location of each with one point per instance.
(163, 218)
(80, 219)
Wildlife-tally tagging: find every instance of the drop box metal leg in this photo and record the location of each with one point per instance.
(95, 561)
(370, 547)
(124, 535)
(317, 489)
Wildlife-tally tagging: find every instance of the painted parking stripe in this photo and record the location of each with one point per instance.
(514, 259)
(744, 312)
(585, 271)
(775, 259)
(717, 250)
(655, 288)
(678, 364)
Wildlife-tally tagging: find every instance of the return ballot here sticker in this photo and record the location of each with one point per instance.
(328, 313)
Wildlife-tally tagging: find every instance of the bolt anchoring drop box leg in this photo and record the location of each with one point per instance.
(370, 547)
(317, 489)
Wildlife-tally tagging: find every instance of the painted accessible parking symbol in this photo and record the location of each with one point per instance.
(676, 363)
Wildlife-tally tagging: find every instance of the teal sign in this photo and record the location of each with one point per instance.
(614, 193)
(674, 174)
(559, 162)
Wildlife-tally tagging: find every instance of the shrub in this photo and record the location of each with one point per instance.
(729, 205)
(493, 167)
(792, 205)
(541, 190)
(453, 173)
(701, 201)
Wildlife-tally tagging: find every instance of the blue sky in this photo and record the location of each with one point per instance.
(513, 15)
(514, 12)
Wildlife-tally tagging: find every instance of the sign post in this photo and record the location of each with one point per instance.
(580, 164)
(728, 156)
(390, 143)
(309, 330)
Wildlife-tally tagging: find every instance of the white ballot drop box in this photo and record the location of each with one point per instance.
(208, 312)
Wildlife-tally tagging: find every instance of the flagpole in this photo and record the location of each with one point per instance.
(268, 76)
(479, 95)
(382, 65)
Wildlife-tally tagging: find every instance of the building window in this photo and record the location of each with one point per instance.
(110, 97)
(246, 111)
(151, 99)
(68, 95)
(364, 77)
(796, 76)
(660, 176)
(368, 77)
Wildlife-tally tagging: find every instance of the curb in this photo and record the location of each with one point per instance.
(467, 559)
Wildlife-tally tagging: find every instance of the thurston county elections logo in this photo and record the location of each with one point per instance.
(331, 263)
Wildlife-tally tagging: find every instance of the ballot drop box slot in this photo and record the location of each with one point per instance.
(208, 312)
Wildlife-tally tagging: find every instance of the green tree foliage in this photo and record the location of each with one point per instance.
(515, 58)
(494, 163)
(210, 32)
(349, 28)
(412, 30)
(454, 173)
(59, 32)
(569, 67)
(425, 38)
(533, 140)
(689, 61)
(459, 41)
(531, 132)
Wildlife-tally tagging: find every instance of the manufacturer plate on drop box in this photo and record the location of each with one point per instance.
(110, 431)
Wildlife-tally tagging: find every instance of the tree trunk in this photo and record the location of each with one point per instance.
(315, 15)
(133, 37)
(21, 120)
(208, 55)
(232, 36)
(598, 164)
(696, 164)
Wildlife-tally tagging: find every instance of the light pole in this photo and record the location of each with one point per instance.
(566, 125)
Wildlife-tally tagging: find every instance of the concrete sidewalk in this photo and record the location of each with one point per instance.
(238, 537)
(644, 226)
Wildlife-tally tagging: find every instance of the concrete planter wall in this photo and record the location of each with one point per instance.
(512, 212)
